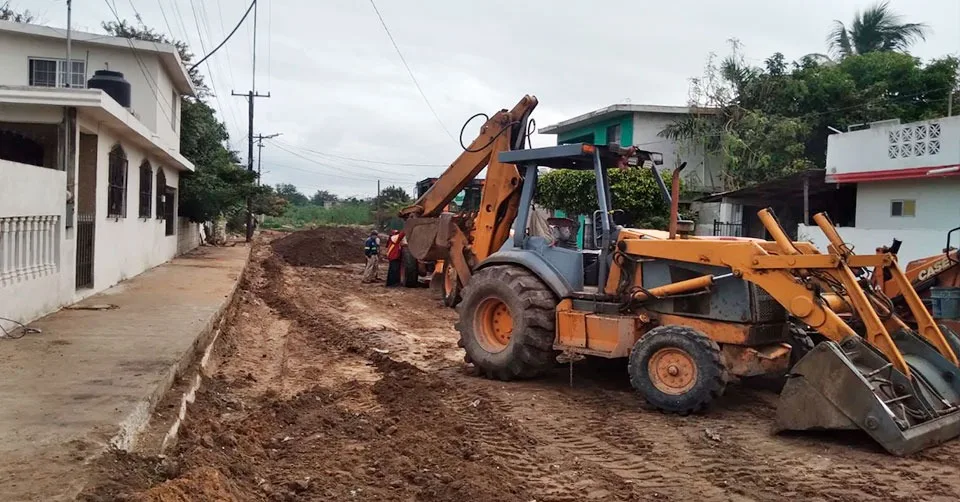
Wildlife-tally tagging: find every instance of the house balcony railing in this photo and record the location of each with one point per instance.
(28, 247)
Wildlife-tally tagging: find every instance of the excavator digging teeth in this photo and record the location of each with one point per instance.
(852, 386)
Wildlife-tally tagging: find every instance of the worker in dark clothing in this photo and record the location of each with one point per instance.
(394, 255)
(371, 249)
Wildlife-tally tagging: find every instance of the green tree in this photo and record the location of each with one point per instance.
(392, 196)
(769, 121)
(323, 196)
(876, 29)
(291, 194)
(634, 191)
(8, 14)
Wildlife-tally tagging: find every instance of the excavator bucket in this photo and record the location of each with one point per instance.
(428, 239)
(851, 385)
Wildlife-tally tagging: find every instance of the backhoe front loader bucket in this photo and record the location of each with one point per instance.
(851, 385)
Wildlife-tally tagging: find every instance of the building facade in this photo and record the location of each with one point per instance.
(907, 179)
(88, 185)
(640, 126)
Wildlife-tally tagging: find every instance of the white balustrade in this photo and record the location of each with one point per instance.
(29, 248)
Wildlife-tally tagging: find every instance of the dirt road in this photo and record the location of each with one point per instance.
(331, 390)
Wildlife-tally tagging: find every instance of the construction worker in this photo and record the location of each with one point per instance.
(371, 249)
(394, 255)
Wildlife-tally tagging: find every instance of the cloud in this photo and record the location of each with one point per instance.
(338, 86)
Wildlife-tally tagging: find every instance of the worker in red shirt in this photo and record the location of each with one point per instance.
(394, 255)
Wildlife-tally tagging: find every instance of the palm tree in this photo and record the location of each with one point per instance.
(876, 29)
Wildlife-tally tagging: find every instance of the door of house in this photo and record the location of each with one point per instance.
(170, 198)
(86, 228)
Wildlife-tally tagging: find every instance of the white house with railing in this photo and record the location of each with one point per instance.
(89, 164)
(907, 179)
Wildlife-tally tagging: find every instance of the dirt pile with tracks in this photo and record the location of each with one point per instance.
(328, 389)
(322, 246)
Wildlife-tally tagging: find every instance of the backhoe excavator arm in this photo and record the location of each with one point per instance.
(431, 235)
(502, 125)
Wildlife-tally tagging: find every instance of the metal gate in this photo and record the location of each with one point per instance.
(86, 228)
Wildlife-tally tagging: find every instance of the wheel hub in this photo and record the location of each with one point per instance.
(672, 371)
(493, 324)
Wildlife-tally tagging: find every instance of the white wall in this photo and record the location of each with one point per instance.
(125, 247)
(937, 204)
(35, 191)
(880, 148)
(151, 87)
(916, 243)
(700, 171)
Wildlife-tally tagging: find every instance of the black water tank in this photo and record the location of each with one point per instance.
(112, 83)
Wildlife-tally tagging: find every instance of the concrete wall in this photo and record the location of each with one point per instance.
(894, 147)
(701, 170)
(916, 243)
(937, 204)
(33, 191)
(125, 247)
(188, 235)
(152, 89)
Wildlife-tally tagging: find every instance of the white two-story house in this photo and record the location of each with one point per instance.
(89, 164)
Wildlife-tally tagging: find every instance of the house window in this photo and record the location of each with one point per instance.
(903, 207)
(117, 184)
(161, 188)
(53, 73)
(613, 134)
(146, 188)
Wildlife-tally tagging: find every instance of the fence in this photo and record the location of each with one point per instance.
(86, 231)
(29, 247)
(727, 229)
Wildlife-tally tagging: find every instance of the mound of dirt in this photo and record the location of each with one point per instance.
(322, 246)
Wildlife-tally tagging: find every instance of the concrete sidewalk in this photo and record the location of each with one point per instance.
(93, 377)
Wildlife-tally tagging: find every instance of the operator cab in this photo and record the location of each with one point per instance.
(579, 272)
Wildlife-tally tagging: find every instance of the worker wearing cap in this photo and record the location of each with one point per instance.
(371, 249)
(394, 255)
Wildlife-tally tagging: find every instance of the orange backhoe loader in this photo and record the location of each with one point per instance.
(925, 276)
(691, 314)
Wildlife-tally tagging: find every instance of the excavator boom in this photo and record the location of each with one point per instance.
(435, 235)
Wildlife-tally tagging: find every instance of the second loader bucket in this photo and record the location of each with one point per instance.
(852, 386)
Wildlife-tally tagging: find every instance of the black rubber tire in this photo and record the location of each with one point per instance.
(711, 373)
(532, 305)
(409, 269)
(452, 298)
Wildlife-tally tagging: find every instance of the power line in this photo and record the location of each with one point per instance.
(409, 71)
(328, 166)
(355, 159)
(165, 20)
(215, 49)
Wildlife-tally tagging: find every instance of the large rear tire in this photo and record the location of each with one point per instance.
(507, 319)
(677, 369)
(409, 269)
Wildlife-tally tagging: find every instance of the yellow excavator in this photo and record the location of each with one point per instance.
(691, 314)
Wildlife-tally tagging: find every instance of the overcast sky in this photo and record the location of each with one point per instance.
(339, 88)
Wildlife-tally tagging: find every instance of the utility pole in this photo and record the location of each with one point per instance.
(251, 95)
(260, 138)
(378, 205)
(66, 114)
